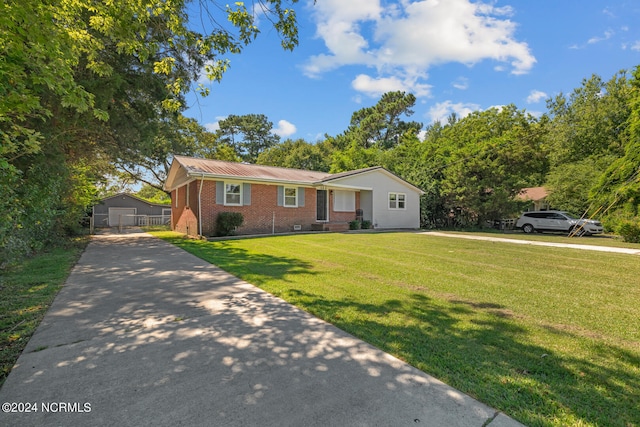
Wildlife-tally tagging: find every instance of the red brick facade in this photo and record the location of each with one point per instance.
(184, 217)
(261, 216)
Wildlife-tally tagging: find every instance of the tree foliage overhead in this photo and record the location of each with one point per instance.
(297, 154)
(381, 125)
(249, 135)
(87, 85)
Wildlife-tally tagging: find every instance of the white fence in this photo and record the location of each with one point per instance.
(145, 220)
(127, 220)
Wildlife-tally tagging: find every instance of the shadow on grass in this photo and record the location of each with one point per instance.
(475, 348)
(254, 267)
(479, 348)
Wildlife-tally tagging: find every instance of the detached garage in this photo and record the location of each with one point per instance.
(126, 210)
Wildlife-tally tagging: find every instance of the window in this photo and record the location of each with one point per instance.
(291, 197)
(397, 200)
(232, 194)
(344, 201)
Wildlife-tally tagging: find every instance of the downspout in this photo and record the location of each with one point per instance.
(200, 206)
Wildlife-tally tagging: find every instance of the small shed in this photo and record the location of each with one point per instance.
(124, 210)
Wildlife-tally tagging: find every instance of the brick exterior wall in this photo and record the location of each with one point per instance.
(184, 217)
(262, 216)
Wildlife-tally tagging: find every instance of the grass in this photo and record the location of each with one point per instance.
(550, 336)
(26, 292)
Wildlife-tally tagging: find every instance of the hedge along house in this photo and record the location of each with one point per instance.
(278, 200)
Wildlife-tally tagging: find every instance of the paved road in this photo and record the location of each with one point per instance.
(536, 243)
(145, 334)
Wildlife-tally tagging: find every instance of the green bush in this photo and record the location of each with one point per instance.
(354, 225)
(227, 222)
(630, 231)
(365, 225)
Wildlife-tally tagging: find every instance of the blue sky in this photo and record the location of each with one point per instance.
(454, 55)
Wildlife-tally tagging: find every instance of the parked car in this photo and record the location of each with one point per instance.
(557, 221)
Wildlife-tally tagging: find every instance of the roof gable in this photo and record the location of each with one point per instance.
(335, 178)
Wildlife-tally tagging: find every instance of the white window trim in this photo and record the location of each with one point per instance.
(404, 196)
(284, 197)
(225, 193)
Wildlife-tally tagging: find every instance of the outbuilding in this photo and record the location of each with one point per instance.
(125, 209)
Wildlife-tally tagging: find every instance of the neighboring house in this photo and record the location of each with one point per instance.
(275, 200)
(537, 196)
(127, 210)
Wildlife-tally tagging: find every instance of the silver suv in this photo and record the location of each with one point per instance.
(557, 221)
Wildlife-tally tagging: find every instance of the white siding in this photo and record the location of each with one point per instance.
(382, 184)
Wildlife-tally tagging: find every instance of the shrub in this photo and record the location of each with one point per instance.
(227, 222)
(365, 225)
(630, 231)
(354, 225)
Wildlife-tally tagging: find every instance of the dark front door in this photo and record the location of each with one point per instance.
(322, 204)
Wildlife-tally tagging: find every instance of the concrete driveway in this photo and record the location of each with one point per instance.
(145, 334)
(596, 248)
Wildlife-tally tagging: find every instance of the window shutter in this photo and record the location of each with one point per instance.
(246, 194)
(300, 197)
(219, 192)
(280, 195)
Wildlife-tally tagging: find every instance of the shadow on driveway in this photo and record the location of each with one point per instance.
(144, 333)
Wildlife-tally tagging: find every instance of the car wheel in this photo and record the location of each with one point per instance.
(577, 232)
(528, 228)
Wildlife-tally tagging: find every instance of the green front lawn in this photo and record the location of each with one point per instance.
(550, 336)
(26, 292)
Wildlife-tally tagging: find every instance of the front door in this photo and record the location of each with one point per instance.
(322, 205)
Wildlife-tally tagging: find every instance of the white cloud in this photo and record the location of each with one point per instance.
(461, 83)
(607, 35)
(536, 96)
(442, 110)
(375, 87)
(285, 129)
(214, 126)
(636, 46)
(407, 38)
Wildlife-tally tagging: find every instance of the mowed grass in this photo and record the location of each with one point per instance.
(550, 336)
(26, 292)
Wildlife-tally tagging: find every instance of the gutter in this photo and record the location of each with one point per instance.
(200, 206)
(310, 184)
(203, 175)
